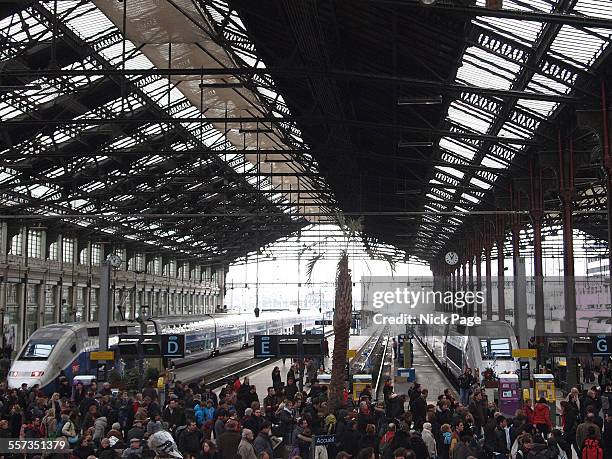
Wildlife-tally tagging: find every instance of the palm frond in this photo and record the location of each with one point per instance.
(311, 265)
(392, 263)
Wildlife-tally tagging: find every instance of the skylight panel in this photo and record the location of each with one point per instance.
(479, 183)
(477, 76)
(545, 85)
(595, 8)
(470, 198)
(510, 130)
(524, 31)
(452, 171)
(540, 107)
(468, 120)
(487, 161)
(590, 47)
(533, 5)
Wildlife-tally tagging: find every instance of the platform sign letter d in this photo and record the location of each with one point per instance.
(173, 346)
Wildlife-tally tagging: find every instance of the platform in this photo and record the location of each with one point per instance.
(427, 374)
(262, 377)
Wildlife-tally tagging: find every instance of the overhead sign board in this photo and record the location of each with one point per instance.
(524, 353)
(602, 345)
(266, 346)
(102, 355)
(323, 322)
(173, 346)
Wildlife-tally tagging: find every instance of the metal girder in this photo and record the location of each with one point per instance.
(304, 72)
(556, 18)
(304, 120)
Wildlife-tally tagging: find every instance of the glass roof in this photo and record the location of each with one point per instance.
(497, 58)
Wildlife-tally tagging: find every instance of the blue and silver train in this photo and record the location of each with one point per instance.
(64, 349)
(488, 345)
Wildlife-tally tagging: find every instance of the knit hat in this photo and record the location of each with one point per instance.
(116, 426)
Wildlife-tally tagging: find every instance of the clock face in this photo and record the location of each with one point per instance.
(114, 260)
(451, 258)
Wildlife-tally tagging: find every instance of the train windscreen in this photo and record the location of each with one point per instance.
(495, 348)
(37, 350)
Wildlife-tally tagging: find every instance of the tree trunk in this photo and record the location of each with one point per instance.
(342, 329)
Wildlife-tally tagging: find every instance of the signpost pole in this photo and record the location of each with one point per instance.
(104, 314)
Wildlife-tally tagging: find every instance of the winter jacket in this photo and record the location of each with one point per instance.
(99, 428)
(227, 444)
(189, 442)
(262, 443)
(174, 417)
(246, 450)
(430, 442)
(128, 451)
(541, 415)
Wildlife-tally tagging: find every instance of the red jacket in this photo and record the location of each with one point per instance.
(541, 415)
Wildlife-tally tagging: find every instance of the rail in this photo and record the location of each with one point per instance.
(385, 361)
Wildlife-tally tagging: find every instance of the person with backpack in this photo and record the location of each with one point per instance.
(583, 430)
(445, 442)
(606, 436)
(591, 448)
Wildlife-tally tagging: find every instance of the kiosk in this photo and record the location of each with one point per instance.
(544, 387)
(509, 394)
(359, 384)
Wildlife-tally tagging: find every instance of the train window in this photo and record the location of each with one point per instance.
(495, 348)
(38, 350)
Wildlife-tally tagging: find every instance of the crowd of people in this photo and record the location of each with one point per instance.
(98, 422)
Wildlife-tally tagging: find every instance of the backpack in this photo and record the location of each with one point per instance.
(591, 449)
(60, 426)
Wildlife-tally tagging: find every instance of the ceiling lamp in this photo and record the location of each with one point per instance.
(428, 2)
(408, 144)
(433, 100)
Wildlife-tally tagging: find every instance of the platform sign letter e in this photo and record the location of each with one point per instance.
(265, 346)
(602, 345)
(173, 345)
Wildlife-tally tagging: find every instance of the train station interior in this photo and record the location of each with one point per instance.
(199, 174)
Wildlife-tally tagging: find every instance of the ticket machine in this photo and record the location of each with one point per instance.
(544, 386)
(509, 394)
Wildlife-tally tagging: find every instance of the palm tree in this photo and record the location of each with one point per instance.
(342, 309)
(342, 329)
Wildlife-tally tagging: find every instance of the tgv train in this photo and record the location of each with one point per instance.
(64, 348)
(488, 345)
